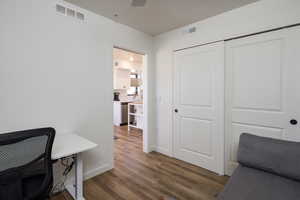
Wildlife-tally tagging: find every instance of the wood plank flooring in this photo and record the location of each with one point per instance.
(153, 176)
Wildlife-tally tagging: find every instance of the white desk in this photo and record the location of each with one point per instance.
(66, 145)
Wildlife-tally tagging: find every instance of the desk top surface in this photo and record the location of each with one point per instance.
(68, 144)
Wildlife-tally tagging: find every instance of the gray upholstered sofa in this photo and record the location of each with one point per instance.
(269, 170)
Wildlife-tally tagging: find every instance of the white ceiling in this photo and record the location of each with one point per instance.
(159, 16)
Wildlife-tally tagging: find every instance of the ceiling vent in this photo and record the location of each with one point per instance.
(189, 30)
(138, 3)
(69, 12)
(192, 30)
(80, 16)
(60, 9)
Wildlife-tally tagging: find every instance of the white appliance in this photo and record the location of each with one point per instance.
(120, 113)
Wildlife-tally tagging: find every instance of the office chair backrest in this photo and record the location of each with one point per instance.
(25, 163)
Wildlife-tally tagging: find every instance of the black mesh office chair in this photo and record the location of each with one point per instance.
(25, 164)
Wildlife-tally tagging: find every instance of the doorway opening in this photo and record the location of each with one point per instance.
(129, 116)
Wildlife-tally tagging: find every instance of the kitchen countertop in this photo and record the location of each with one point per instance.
(132, 102)
(128, 101)
(137, 102)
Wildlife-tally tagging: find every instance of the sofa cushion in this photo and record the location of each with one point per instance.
(252, 184)
(275, 156)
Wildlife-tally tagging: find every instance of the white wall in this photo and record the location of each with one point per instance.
(57, 71)
(259, 16)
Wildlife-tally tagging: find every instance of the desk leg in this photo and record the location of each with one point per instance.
(76, 190)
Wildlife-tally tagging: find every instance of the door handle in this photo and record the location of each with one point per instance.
(294, 122)
(176, 110)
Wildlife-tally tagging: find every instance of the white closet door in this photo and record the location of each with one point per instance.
(262, 88)
(199, 106)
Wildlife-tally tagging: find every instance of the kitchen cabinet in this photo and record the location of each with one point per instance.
(121, 79)
(135, 115)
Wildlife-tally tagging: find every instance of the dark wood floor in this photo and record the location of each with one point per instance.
(153, 176)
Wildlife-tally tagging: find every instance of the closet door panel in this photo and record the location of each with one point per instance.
(253, 63)
(267, 119)
(260, 72)
(199, 106)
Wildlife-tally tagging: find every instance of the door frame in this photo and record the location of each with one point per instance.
(146, 140)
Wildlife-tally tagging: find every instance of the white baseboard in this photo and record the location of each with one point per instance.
(164, 151)
(152, 148)
(92, 173)
(99, 170)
